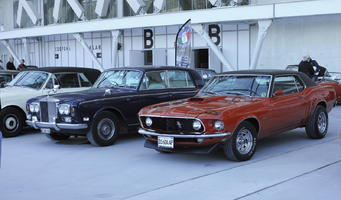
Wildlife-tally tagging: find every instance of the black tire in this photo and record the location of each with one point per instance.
(319, 117)
(57, 136)
(104, 130)
(248, 133)
(12, 122)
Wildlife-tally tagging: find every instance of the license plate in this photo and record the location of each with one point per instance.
(165, 142)
(46, 130)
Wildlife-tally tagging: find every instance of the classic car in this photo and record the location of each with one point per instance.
(235, 110)
(6, 76)
(33, 83)
(110, 107)
(206, 74)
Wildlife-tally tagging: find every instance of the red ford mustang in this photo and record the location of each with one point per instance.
(236, 109)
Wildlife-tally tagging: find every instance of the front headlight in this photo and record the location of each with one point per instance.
(34, 107)
(64, 109)
(219, 125)
(149, 121)
(197, 125)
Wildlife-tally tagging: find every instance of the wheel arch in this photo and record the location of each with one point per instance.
(112, 110)
(17, 108)
(253, 120)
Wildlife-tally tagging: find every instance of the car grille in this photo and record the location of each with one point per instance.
(171, 125)
(48, 111)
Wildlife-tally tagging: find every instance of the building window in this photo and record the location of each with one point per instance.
(148, 57)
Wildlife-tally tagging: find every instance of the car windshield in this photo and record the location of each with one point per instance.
(31, 79)
(119, 78)
(238, 85)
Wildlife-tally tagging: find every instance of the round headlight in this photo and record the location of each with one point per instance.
(219, 125)
(149, 121)
(64, 109)
(31, 108)
(196, 125)
(36, 108)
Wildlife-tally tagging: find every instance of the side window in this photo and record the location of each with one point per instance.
(299, 84)
(84, 80)
(153, 80)
(68, 80)
(288, 84)
(179, 79)
(49, 84)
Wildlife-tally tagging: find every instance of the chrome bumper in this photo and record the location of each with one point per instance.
(56, 126)
(213, 135)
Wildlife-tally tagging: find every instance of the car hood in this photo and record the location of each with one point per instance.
(195, 106)
(92, 94)
(13, 92)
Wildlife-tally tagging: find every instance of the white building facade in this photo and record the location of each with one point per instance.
(115, 33)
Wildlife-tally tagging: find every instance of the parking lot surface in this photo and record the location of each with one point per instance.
(286, 166)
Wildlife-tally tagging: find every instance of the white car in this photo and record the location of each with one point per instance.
(30, 84)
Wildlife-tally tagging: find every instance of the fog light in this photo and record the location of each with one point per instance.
(34, 118)
(196, 125)
(67, 119)
(86, 119)
(149, 121)
(29, 117)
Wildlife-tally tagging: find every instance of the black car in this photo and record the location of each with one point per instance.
(110, 107)
(6, 76)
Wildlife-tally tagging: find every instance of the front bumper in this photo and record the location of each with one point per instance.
(213, 135)
(56, 126)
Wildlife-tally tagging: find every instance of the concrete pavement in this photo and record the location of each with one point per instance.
(287, 166)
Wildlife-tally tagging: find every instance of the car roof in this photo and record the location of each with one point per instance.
(91, 74)
(274, 72)
(146, 69)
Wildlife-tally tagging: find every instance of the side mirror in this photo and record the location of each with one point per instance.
(56, 87)
(278, 93)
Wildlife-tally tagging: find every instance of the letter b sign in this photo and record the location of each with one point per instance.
(214, 33)
(148, 38)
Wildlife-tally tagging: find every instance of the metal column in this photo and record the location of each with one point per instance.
(10, 50)
(115, 35)
(263, 27)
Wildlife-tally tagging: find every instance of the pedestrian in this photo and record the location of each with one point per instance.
(306, 67)
(10, 65)
(1, 65)
(22, 65)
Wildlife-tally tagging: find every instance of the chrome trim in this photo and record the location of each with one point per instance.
(213, 135)
(174, 118)
(55, 126)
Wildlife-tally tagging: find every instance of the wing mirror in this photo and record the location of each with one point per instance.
(55, 88)
(278, 93)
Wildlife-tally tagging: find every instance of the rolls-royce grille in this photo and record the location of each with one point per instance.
(48, 111)
(171, 125)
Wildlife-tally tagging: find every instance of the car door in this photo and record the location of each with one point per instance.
(181, 84)
(288, 109)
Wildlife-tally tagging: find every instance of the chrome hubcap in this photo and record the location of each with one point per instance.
(244, 141)
(11, 123)
(322, 122)
(106, 129)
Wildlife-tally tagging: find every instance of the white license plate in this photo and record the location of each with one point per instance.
(165, 142)
(46, 130)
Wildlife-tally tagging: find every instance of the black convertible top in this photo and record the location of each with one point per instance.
(274, 72)
(91, 74)
(145, 69)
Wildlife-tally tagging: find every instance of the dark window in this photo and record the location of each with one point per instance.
(148, 57)
(68, 80)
